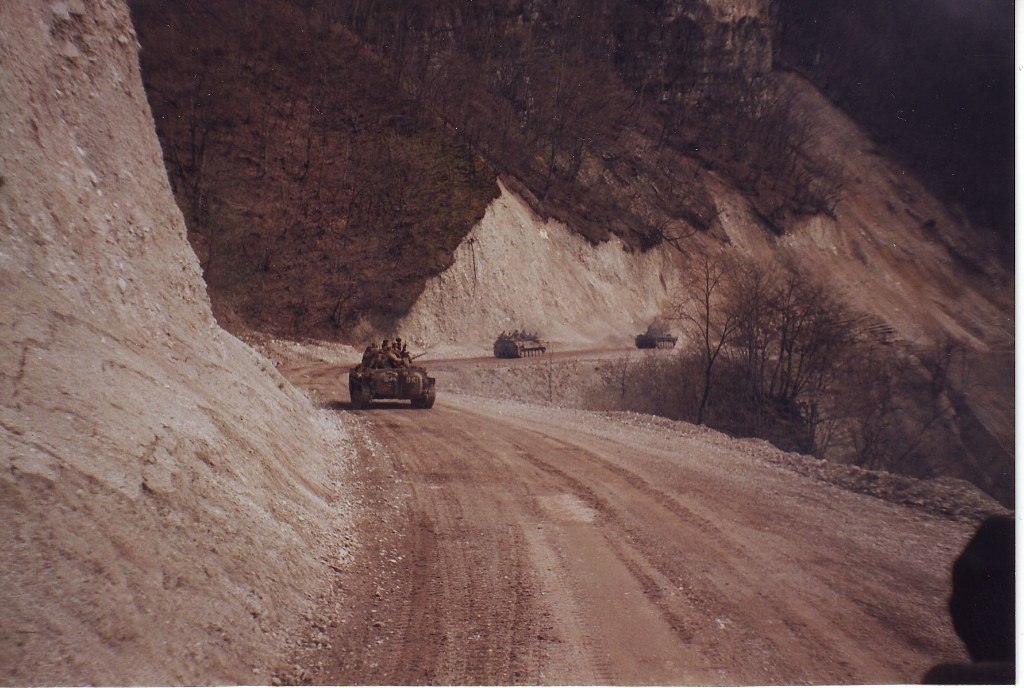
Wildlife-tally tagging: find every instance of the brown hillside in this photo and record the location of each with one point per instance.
(317, 195)
(329, 159)
(358, 183)
(943, 102)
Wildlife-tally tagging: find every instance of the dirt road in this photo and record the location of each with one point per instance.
(553, 353)
(510, 543)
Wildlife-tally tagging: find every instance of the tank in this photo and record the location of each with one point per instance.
(366, 383)
(518, 345)
(657, 336)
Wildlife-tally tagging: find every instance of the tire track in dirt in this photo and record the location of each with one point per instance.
(884, 594)
(523, 529)
(475, 610)
(660, 571)
(752, 589)
(541, 545)
(591, 571)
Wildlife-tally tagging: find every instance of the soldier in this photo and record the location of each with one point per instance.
(401, 354)
(368, 356)
(392, 359)
(381, 354)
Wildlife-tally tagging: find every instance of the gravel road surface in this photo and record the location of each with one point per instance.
(502, 542)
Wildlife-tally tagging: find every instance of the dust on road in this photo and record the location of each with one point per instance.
(511, 543)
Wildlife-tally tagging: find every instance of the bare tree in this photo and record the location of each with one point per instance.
(711, 321)
(753, 294)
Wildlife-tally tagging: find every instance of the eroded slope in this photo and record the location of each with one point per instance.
(164, 492)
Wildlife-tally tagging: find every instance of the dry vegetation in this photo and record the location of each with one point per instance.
(349, 146)
(560, 92)
(779, 357)
(768, 353)
(316, 194)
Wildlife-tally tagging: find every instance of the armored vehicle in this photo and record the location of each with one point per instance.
(366, 383)
(517, 345)
(657, 336)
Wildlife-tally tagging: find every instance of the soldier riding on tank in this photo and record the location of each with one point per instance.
(387, 372)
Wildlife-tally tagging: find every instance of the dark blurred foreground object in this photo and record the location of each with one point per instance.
(982, 608)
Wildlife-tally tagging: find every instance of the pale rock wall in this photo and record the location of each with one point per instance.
(167, 498)
(518, 271)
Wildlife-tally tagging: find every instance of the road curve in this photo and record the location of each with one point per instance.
(510, 543)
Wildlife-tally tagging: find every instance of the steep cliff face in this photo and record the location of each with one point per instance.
(519, 271)
(931, 80)
(159, 478)
(682, 42)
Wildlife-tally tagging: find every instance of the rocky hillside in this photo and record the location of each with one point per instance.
(942, 102)
(653, 122)
(359, 183)
(634, 142)
(167, 496)
(161, 482)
